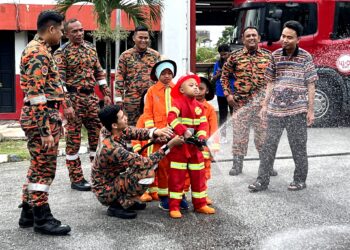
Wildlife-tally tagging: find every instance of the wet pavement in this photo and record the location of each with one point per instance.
(315, 218)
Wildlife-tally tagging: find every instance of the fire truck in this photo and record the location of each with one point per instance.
(326, 36)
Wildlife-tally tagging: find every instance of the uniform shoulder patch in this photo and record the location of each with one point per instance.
(44, 70)
(58, 59)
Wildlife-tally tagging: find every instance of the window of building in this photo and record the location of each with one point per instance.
(342, 20)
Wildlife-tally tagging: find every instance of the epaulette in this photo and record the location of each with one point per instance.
(89, 44)
(265, 50)
(154, 52)
(237, 51)
(63, 46)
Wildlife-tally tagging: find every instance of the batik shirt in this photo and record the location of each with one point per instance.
(248, 70)
(290, 77)
(40, 82)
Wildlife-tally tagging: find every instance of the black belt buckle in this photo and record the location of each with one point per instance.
(53, 104)
(85, 91)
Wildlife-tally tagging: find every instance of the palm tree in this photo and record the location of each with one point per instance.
(103, 10)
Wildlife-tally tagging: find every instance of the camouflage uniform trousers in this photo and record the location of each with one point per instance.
(131, 105)
(242, 120)
(42, 167)
(125, 189)
(86, 113)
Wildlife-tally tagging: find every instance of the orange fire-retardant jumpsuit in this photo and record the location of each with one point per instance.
(137, 146)
(157, 107)
(187, 113)
(214, 147)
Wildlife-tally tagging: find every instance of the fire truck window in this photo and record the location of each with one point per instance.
(303, 13)
(342, 20)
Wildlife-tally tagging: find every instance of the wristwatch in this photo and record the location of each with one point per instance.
(165, 148)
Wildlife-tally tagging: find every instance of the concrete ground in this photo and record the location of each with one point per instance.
(315, 218)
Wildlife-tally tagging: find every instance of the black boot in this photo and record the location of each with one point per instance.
(45, 223)
(237, 165)
(83, 185)
(116, 210)
(27, 218)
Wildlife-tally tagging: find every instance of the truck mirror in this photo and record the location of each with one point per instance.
(274, 26)
(274, 31)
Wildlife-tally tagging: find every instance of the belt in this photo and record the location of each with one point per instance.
(82, 90)
(49, 104)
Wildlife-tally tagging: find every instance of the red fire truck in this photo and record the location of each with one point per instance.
(326, 36)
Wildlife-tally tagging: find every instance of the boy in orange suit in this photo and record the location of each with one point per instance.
(187, 118)
(157, 106)
(206, 93)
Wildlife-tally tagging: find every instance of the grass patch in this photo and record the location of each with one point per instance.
(17, 147)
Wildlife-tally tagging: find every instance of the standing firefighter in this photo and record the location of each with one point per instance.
(41, 123)
(80, 69)
(248, 65)
(133, 74)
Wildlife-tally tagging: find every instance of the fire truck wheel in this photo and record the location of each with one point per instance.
(328, 100)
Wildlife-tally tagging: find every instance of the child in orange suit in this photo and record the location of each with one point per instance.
(157, 106)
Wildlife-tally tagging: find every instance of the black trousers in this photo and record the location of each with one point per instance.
(223, 112)
(296, 127)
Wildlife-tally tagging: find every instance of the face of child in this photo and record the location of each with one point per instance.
(166, 76)
(202, 91)
(189, 88)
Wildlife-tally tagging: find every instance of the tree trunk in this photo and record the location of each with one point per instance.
(108, 61)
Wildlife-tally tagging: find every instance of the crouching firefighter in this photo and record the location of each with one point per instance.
(116, 172)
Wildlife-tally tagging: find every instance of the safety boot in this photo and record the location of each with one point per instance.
(146, 197)
(27, 218)
(45, 223)
(205, 210)
(175, 214)
(237, 165)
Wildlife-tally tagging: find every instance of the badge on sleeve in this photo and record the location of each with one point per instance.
(58, 60)
(44, 70)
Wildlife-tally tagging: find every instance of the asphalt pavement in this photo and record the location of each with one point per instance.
(315, 218)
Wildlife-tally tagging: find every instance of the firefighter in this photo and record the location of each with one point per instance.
(81, 70)
(133, 73)
(41, 122)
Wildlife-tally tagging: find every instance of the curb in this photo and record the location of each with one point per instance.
(14, 158)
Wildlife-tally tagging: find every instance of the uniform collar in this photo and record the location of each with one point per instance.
(159, 85)
(83, 44)
(42, 41)
(257, 51)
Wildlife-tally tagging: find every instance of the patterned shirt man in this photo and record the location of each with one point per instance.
(133, 78)
(290, 77)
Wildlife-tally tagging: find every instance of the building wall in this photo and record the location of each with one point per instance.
(21, 15)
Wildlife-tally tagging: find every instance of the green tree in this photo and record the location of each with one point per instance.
(103, 10)
(206, 54)
(227, 36)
